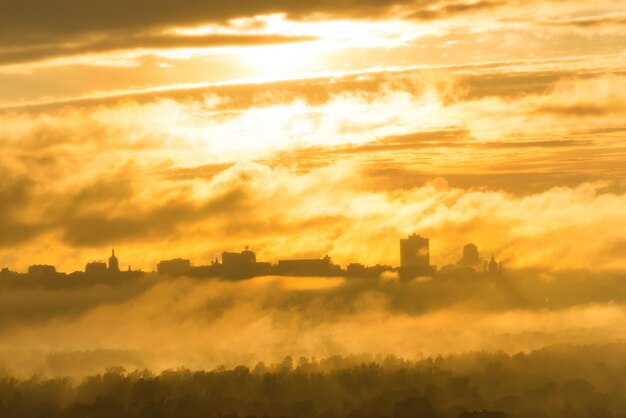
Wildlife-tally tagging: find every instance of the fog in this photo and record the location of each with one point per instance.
(77, 327)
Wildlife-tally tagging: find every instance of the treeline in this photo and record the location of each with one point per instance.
(563, 382)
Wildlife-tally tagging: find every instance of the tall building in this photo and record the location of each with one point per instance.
(114, 265)
(471, 257)
(415, 252)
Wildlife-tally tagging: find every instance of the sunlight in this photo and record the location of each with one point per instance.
(282, 59)
(349, 32)
(307, 209)
(310, 283)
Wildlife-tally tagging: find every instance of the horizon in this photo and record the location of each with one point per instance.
(218, 259)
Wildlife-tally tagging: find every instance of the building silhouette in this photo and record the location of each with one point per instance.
(114, 265)
(415, 252)
(414, 262)
(471, 257)
(246, 257)
(308, 267)
(414, 256)
(101, 271)
(493, 268)
(360, 270)
(243, 265)
(469, 263)
(174, 267)
(42, 270)
(96, 267)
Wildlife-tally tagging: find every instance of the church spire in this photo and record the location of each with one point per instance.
(113, 262)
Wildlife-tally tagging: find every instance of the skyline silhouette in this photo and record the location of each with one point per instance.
(414, 256)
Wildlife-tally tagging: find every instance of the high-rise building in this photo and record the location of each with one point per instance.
(471, 257)
(415, 252)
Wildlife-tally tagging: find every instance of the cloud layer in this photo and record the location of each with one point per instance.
(33, 30)
(295, 170)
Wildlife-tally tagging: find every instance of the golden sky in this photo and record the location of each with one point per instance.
(303, 128)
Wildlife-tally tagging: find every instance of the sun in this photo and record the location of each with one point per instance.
(283, 60)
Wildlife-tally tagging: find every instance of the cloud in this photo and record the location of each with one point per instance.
(334, 209)
(35, 30)
(587, 102)
(100, 228)
(73, 17)
(453, 9)
(507, 79)
(346, 171)
(353, 110)
(15, 193)
(587, 22)
(16, 54)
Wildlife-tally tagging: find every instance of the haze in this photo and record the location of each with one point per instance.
(301, 129)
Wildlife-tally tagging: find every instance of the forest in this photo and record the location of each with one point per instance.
(564, 381)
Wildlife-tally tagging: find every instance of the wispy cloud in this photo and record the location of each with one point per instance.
(105, 44)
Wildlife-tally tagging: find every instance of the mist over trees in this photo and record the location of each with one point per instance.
(559, 381)
(80, 327)
(151, 347)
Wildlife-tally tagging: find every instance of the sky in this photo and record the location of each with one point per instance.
(183, 129)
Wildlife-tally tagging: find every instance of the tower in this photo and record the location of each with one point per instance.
(471, 257)
(415, 252)
(114, 266)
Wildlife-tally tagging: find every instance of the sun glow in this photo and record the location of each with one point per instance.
(283, 59)
(355, 33)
